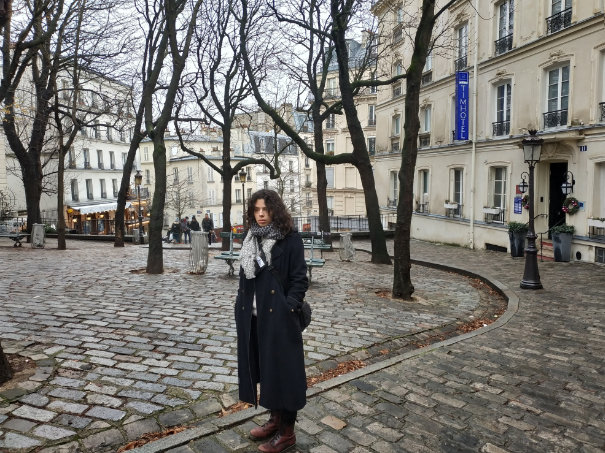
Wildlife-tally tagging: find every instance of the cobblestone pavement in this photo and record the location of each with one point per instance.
(120, 353)
(533, 384)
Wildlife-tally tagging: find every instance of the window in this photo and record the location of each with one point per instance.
(210, 174)
(86, 155)
(65, 90)
(109, 135)
(560, 16)
(190, 175)
(397, 68)
(397, 33)
(330, 203)
(74, 190)
(238, 195)
(423, 191)
(114, 185)
(248, 193)
(394, 146)
(331, 121)
(175, 175)
(462, 47)
(292, 186)
(498, 187)
(147, 177)
(307, 162)
(212, 196)
(124, 157)
(399, 15)
(103, 189)
(396, 89)
(307, 180)
(174, 151)
(371, 115)
(456, 190)
(503, 96)
(290, 165)
(112, 160)
(371, 146)
(89, 193)
(424, 137)
(393, 189)
(97, 129)
(100, 158)
(190, 199)
(265, 184)
(145, 153)
(330, 177)
(309, 200)
(373, 89)
(350, 177)
(72, 158)
(427, 71)
(330, 147)
(505, 27)
(395, 126)
(332, 89)
(557, 97)
(426, 119)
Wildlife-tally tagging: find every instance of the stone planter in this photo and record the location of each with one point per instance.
(450, 205)
(561, 243)
(596, 223)
(493, 211)
(517, 243)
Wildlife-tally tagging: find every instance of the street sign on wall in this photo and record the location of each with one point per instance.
(462, 103)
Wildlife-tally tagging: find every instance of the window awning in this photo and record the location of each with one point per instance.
(99, 207)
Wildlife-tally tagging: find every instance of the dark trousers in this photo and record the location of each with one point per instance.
(209, 237)
(288, 417)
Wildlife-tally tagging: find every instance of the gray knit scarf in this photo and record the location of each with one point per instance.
(269, 236)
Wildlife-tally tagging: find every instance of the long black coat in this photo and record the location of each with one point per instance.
(281, 357)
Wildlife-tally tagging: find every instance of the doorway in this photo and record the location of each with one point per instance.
(558, 175)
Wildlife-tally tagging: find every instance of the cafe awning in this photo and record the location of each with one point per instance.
(91, 208)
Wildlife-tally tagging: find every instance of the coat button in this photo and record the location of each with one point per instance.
(292, 310)
(272, 291)
(243, 308)
(270, 309)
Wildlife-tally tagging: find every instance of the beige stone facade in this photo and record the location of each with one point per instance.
(532, 64)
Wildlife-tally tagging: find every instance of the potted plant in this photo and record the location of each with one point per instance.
(561, 241)
(517, 234)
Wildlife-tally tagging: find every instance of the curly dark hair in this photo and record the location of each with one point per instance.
(282, 219)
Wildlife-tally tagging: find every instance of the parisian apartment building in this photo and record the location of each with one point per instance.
(516, 66)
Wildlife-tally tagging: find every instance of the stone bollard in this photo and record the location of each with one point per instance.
(198, 256)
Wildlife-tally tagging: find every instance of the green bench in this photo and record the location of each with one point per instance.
(229, 256)
(313, 243)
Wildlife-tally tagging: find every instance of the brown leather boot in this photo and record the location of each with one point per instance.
(268, 429)
(282, 441)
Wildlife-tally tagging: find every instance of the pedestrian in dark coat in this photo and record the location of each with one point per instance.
(272, 286)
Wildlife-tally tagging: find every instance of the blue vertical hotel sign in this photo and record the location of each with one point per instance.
(462, 106)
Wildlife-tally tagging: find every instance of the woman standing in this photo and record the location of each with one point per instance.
(272, 286)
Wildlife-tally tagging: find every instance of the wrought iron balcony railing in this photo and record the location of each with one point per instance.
(602, 110)
(558, 21)
(427, 78)
(500, 128)
(424, 140)
(460, 63)
(504, 44)
(371, 121)
(555, 118)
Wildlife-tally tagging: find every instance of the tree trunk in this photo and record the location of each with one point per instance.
(402, 281)
(155, 258)
(6, 373)
(32, 182)
(227, 183)
(61, 244)
(322, 181)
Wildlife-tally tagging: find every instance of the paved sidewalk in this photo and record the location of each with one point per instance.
(120, 353)
(533, 384)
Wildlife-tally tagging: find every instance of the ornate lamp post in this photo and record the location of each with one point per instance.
(138, 180)
(242, 178)
(532, 147)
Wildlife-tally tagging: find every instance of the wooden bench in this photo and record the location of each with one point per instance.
(229, 256)
(16, 237)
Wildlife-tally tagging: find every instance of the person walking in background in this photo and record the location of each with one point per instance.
(175, 230)
(194, 224)
(208, 226)
(185, 229)
(272, 285)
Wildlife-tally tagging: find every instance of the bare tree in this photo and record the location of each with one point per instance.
(402, 282)
(340, 16)
(178, 196)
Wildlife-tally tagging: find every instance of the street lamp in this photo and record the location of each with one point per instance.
(532, 147)
(242, 178)
(138, 180)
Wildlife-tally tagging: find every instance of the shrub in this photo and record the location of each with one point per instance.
(517, 227)
(563, 228)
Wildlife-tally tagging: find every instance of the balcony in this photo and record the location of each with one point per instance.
(504, 44)
(71, 164)
(101, 166)
(424, 140)
(500, 128)
(371, 121)
(87, 165)
(602, 110)
(460, 64)
(103, 194)
(397, 90)
(427, 78)
(75, 197)
(558, 21)
(555, 118)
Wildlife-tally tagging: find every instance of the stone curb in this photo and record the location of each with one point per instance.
(215, 426)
